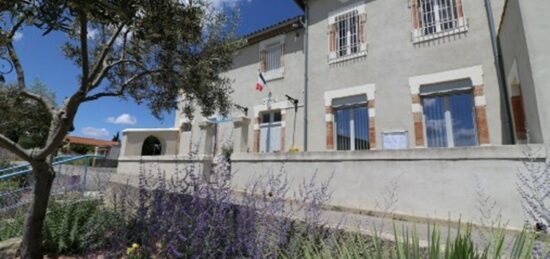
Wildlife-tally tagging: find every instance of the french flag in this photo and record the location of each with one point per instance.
(261, 82)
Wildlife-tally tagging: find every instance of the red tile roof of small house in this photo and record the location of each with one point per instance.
(90, 141)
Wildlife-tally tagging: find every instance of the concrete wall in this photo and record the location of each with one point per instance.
(428, 183)
(132, 141)
(517, 66)
(537, 34)
(170, 165)
(393, 58)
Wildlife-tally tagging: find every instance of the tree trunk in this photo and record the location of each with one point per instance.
(43, 175)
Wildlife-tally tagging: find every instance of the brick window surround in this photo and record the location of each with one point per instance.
(258, 109)
(346, 33)
(369, 90)
(475, 74)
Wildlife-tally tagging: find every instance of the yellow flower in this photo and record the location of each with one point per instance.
(294, 149)
(132, 249)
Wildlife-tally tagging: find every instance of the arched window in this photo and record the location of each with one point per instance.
(151, 147)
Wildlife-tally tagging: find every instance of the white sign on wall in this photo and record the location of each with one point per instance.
(395, 140)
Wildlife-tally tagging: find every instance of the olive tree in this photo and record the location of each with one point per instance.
(153, 52)
(23, 119)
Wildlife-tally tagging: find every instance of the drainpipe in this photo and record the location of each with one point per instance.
(499, 69)
(306, 58)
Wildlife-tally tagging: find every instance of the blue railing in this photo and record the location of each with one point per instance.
(26, 168)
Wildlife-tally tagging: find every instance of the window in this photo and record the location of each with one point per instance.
(214, 136)
(436, 17)
(273, 59)
(270, 132)
(351, 116)
(347, 27)
(450, 120)
(272, 53)
(347, 33)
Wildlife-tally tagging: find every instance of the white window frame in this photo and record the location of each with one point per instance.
(350, 20)
(277, 73)
(460, 24)
(271, 60)
(448, 118)
(351, 125)
(359, 9)
(269, 125)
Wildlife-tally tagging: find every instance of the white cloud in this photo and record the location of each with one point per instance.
(95, 132)
(221, 3)
(92, 33)
(125, 119)
(17, 36)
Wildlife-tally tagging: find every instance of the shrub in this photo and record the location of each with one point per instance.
(11, 225)
(76, 226)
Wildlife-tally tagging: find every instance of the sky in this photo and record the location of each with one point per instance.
(43, 60)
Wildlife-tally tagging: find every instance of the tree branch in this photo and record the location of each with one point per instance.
(41, 99)
(122, 88)
(14, 148)
(17, 26)
(96, 75)
(61, 124)
(84, 49)
(106, 69)
(17, 65)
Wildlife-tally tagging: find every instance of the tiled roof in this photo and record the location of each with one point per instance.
(90, 141)
(284, 26)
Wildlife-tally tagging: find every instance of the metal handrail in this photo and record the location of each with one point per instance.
(27, 167)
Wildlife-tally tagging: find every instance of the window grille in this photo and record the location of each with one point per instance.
(347, 36)
(273, 57)
(437, 17)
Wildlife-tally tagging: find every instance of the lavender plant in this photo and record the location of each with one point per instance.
(183, 215)
(534, 188)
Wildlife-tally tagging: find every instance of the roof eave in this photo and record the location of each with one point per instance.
(285, 27)
(301, 4)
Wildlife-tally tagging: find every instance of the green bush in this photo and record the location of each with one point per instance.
(406, 245)
(74, 227)
(12, 226)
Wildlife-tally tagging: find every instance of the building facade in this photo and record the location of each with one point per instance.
(418, 92)
(380, 75)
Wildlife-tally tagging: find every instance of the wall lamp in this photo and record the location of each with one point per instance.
(294, 101)
(242, 108)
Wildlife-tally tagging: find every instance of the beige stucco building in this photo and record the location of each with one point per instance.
(379, 90)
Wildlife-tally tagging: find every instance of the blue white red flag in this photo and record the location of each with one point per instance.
(261, 82)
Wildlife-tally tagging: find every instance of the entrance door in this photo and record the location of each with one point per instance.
(270, 132)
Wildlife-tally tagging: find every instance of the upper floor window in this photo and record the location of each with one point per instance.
(272, 58)
(433, 18)
(347, 37)
(347, 33)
